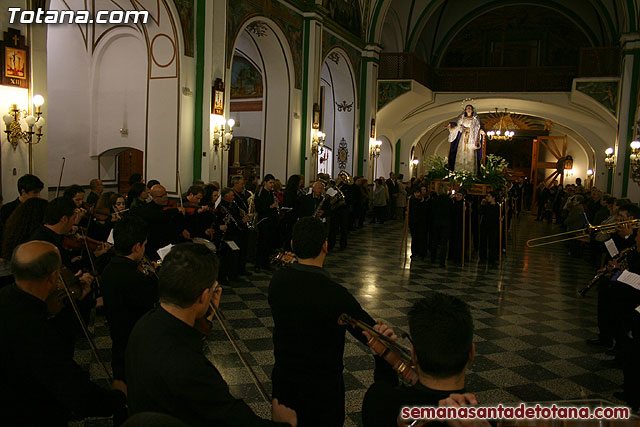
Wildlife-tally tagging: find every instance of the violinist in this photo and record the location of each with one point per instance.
(212, 231)
(29, 186)
(194, 211)
(442, 349)
(137, 196)
(308, 343)
(76, 194)
(104, 216)
(268, 208)
(41, 383)
(166, 368)
(166, 224)
(128, 293)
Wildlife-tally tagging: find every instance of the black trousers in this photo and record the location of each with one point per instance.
(418, 241)
(439, 238)
(489, 246)
(339, 224)
(605, 307)
(243, 253)
(267, 242)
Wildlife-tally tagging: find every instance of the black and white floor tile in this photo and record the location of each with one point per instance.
(530, 324)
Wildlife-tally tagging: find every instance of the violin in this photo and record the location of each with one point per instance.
(147, 268)
(78, 242)
(398, 357)
(56, 301)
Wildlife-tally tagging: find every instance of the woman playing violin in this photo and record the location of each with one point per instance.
(76, 194)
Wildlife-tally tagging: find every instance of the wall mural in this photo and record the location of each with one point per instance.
(606, 93)
(186, 13)
(290, 22)
(345, 13)
(388, 91)
(246, 80)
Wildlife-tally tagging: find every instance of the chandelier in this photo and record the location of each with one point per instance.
(502, 128)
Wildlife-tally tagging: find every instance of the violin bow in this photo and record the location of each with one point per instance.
(179, 190)
(218, 314)
(92, 344)
(345, 319)
(60, 179)
(90, 255)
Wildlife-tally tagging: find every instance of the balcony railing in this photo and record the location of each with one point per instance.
(594, 62)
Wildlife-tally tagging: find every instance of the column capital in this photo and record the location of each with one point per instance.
(630, 41)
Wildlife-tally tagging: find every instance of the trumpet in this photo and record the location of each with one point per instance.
(582, 232)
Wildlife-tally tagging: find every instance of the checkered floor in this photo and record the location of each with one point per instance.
(530, 325)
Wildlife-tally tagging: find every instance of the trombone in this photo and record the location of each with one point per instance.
(583, 232)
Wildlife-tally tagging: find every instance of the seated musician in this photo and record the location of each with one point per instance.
(76, 193)
(166, 225)
(128, 293)
(41, 384)
(308, 342)
(441, 329)
(166, 369)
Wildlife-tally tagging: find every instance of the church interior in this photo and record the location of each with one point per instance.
(523, 207)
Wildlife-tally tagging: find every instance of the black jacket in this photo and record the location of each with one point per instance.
(168, 372)
(41, 384)
(128, 294)
(165, 226)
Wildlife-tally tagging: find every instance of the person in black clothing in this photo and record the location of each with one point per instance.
(96, 187)
(230, 222)
(316, 203)
(418, 224)
(137, 196)
(166, 368)
(458, 211)
(195, 218)
(166, 226)
(392, 185)
(306, 302)
(489, 226)
(339, 223)
(29, 186)
(292, 197)
(241, 200)
(439, 215)
(41, 384)
(267, 208)
(127, 292)
(441, 329)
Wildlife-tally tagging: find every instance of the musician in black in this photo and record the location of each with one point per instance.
(418, 224)
(306, 302)
(128, 293)
(441, 329)
(315, 204)
(459, 208)
(29, 186)
(292, 197)
(41, 383)
(267, 208)
(340, 205)
(229, 221)
(489, 229)
(195, 219)
(241, 200)
(166, 368)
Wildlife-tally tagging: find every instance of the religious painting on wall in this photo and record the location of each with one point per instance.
(15, 60)
(346, 13)
(246, 80)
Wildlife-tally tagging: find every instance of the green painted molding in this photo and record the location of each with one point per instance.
(362, 136)
(201, 8)
(398, 150)
(631, 14)
(633, 105)
(610, 181)
(418, 22)
(374, 21)
(305, 94)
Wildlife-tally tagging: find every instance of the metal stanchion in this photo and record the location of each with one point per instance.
(470, 233)
(500, 234)
(464, 220)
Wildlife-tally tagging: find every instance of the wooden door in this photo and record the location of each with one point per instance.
(557, 146)
(129, 162)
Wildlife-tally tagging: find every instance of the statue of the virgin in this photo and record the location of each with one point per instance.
(466, 137)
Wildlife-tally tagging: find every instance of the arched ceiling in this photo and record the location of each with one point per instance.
(425, 26)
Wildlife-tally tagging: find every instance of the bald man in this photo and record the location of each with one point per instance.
(166, 225)
(41, 384)
(310, 204)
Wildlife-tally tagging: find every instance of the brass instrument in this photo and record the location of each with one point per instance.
(249, 225)
(583, 232)
(315, 213)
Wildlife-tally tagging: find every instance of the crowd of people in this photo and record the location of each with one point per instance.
(61, 269)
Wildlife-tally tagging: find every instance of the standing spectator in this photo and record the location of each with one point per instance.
(392, 185)
(379, 202)
(401, 202)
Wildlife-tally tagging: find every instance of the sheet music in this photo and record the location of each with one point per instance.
(232, 245)
(631, 279)
(638, 309)
(611, 247)
(331, 192)
(162, 252)
(110, 238)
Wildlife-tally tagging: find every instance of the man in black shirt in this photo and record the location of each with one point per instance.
(316, 203)
(441, 328)
(166, 369)
(29, 186)
(267, 209)
(127, 293)
(308, 341)
(41, 384)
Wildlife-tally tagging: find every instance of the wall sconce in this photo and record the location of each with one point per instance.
(217, 98)
(415, 162)
(610, 160)
(14, 128)
(222, 133)
(589, 173)
(317, 140)
(374, 149)
(635, 161)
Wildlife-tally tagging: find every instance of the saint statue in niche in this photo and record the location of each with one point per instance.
(467, 138)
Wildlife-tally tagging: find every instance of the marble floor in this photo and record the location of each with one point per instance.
(530, 326)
